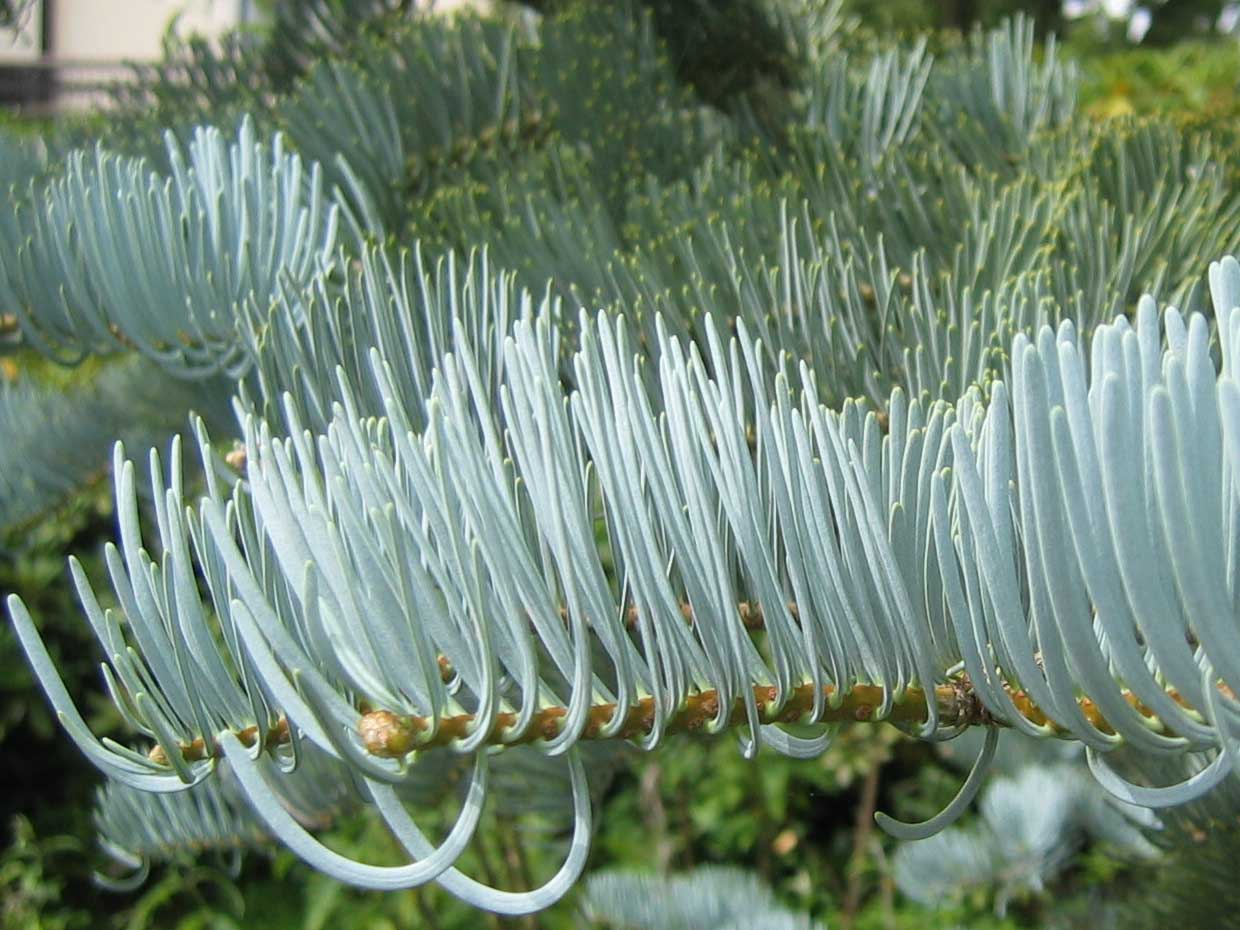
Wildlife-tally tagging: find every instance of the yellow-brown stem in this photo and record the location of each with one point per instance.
(197, 750)
(390, 735)
(395, 736)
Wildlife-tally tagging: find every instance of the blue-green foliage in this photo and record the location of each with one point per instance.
(537, 356)
(706, 899)
(55, 440)
(1037, 815)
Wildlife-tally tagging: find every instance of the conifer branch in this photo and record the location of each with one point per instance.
(388, 735)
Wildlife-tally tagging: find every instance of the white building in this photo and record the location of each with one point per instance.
(57, 49)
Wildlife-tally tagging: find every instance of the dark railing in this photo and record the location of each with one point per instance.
(48, 84)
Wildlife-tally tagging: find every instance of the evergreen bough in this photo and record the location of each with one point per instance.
(575, 409)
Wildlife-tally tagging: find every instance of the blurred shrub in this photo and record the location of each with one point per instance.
(1194, 81)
